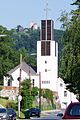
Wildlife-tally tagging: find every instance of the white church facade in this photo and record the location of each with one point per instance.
(47, 66)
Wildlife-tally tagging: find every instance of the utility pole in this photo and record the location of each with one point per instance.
(30, 88)
(40, 90)
(19, 94)
(29, 73)
(20, 72)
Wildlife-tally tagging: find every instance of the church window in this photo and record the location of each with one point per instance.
(43, 34)
(45, 48)
(48, 48)
(42, 48)
(46, 34)
(49, 30)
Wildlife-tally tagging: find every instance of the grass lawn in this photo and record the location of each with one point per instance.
(3, 102)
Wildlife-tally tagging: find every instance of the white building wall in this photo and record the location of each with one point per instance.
(24, 75)
(64, 100)
(51, 66)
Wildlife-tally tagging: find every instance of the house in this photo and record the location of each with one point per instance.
(11, 82)
(64, 95)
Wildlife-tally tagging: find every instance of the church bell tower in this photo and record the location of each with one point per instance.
(47, 56)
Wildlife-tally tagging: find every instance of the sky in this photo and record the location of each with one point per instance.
(23, 12)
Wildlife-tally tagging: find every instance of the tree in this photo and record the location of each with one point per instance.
(28, 94)
(8, 56)
(64, 18)
(34, 92)
(70, 61)
(77, 11)
(48, 94)
(25, 93)
(77, 2)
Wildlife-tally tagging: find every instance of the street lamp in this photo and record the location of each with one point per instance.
(19, 100)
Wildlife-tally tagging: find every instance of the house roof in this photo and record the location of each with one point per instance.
(25, 67)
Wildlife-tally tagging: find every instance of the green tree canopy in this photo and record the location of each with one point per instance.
(8, 56)
(28, 94)
(48, 94)
(70, 61)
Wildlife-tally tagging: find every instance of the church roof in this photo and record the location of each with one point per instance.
(25, 67)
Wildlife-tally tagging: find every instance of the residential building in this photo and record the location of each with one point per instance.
(11, 86)
(64, 95)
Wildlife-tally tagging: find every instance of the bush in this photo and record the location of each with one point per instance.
(11, 104)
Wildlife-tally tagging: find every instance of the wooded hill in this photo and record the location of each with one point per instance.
(27, 38)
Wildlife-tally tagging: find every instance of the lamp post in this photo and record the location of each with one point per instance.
(19, 100)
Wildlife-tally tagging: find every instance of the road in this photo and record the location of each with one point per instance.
(48, 115)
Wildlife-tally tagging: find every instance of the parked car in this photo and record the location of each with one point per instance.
(11, 113)
(4, 114)
(71, 112)
(32, 112)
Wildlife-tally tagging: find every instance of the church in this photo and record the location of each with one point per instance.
(46, 76)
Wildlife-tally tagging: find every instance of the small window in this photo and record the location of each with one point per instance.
(65, 93)
(9, 83)
(45, 61)
(45, 82)
(61, 84)
(33, 82)
(45, 70)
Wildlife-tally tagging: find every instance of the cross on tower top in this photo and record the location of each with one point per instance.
(46, 9)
